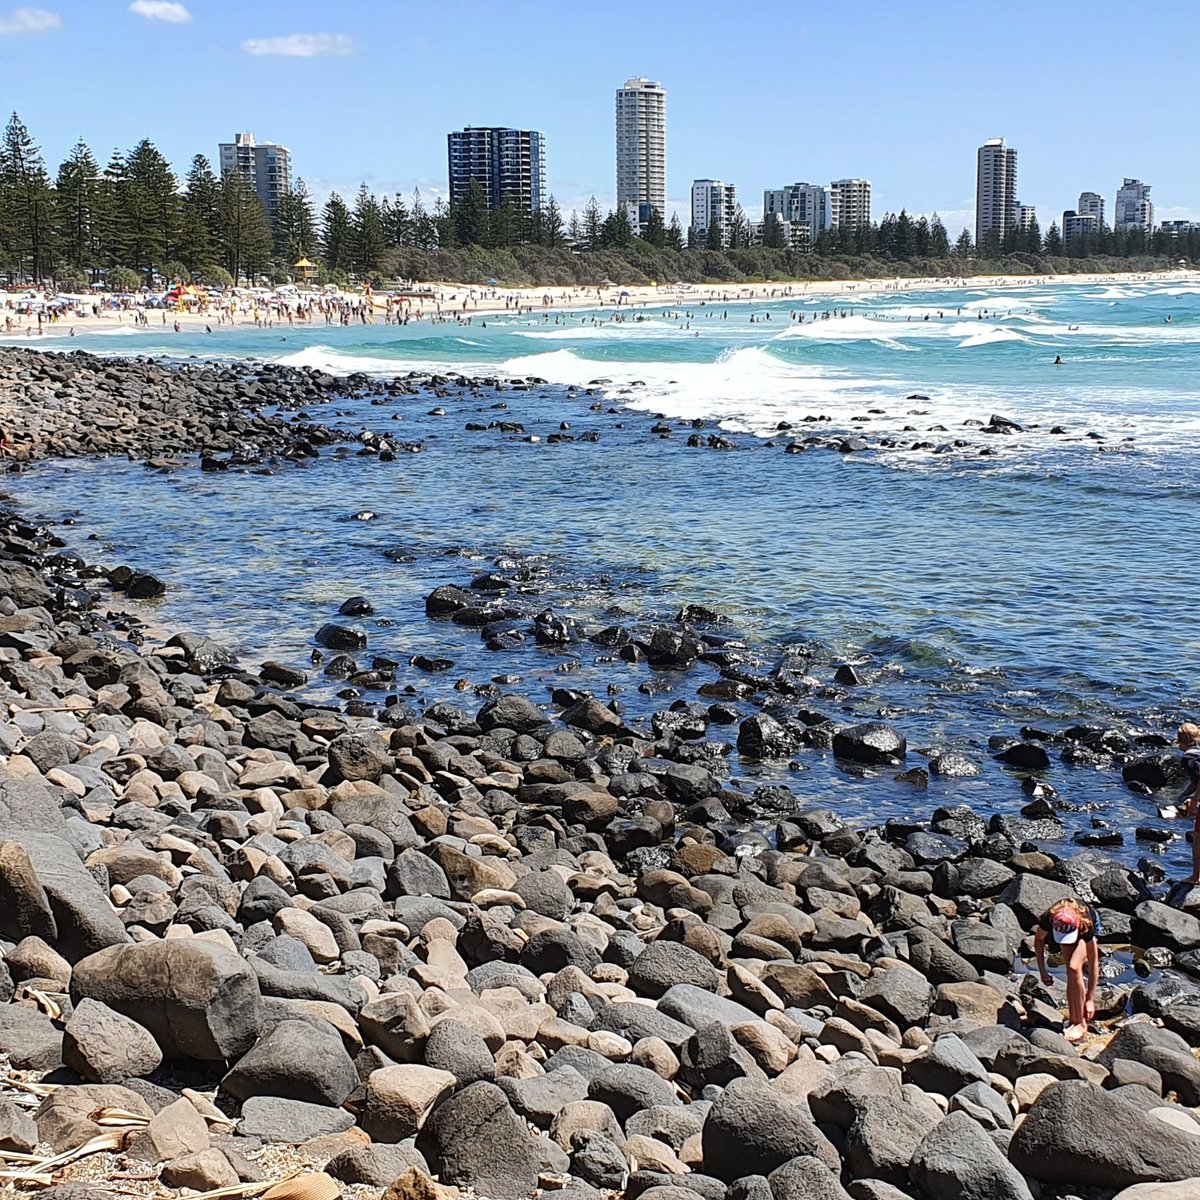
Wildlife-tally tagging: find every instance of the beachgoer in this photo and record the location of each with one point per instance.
(1058, 362)
(1189, 803)
(1073, 927)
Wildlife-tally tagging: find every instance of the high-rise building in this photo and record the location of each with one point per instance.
(1078, 225)
(265, 166)
(714, 205)
(642, 150)
(995, 190)
(504, 162)
(1133, 209)
(1091, 204)
(799, 204)
(1026, 216)
(849, 203)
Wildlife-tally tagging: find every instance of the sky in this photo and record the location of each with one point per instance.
(759, 96)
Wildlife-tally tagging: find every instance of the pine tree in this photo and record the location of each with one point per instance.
(112, 238)
(1053, 244)
(398, 226)
(75, 193)
(199, 221)
(471, 217)
(739, 230)
(552, 225)
(25, 201)
(939, 242)
(336, 234)
(245, 232)
(294, 229)
(150, 200)
(592, 220)
(655, 232)
(1033, 237)
(963, 247)
(426, 234)
(368, 239)
(574, 230)
(675, 233)
(504, 227)
(441, 232)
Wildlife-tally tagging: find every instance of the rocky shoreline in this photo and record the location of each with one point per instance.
(516, 949)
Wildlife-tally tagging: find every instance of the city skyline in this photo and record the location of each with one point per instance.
(309, 91)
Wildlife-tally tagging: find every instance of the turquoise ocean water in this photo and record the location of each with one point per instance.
(1051, 582)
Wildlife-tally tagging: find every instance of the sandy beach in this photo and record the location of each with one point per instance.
(441, 301)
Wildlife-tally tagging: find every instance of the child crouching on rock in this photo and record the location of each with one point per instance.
(1072, 925)
(1189, 802)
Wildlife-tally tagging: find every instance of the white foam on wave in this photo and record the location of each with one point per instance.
(339, 362)
(991, 336)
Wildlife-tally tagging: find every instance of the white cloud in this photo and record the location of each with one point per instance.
(29, 20)
(302, 45)
(161, 10)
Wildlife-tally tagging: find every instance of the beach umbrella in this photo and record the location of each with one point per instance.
(493, 282)
(624, 292)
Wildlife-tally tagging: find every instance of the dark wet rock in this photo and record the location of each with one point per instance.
(762, 736)
(873, 743)
(340, 637)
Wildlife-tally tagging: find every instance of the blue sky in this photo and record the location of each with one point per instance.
(901, 94)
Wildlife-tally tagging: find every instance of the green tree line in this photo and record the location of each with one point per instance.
(135, 217)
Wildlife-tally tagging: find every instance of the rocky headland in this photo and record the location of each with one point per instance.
(256, 944)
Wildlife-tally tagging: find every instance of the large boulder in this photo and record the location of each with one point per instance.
(296, 1060)
(1077, 1133)
(957, 1160)
(881, 1142)
(753, 1128)
(475, 1140)
(399, 1099)
(104, 1046)
(198, 999)
(84, 921)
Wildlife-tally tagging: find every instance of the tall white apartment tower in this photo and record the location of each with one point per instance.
(995, 190)
(714, 205)
(1091, 204)
(849, 203)
(1133, 209)
(642, 150)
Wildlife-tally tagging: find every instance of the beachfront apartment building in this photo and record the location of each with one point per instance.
(641, 128)
(1091, 204)
(714, 206)
(798, 205)
(1077, 225)
(1026, 216)
(849, 203)
(1133, 209)
(995, 190)
(504, 162)
(266, 166)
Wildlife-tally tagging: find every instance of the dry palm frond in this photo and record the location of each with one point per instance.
(117, 1118)
(46, 1003)
(241, 1189)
